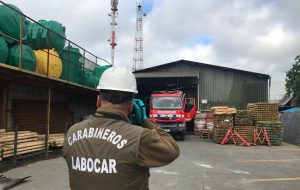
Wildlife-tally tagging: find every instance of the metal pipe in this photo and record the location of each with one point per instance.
(20, 60)
(48, 56)
(48, 119)
(16, 143)
(198, 90)
(68, 61)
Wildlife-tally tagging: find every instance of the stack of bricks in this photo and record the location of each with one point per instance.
(264, 112)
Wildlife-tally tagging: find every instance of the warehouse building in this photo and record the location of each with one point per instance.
(211, 85)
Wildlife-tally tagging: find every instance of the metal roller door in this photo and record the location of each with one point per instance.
(32, 116)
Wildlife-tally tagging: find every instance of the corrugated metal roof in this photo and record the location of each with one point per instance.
(198, 64)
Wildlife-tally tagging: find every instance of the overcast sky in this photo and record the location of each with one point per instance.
(254, 35)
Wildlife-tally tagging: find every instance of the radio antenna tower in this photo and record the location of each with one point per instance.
(138, 45)
(113, 40)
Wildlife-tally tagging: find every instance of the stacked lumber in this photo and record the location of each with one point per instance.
(219, 134)
(224, 121)
(23, 148)
(221, 125)
(23, 136)
(243, 118)
(264, 112)
(222, 110)
(54, 140)
(274, 130)
(246, 132)
(2, 131)
(27, 143)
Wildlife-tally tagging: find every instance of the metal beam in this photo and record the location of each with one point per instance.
(166, 74)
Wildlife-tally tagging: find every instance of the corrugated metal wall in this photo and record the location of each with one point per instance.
(231, 88)
(219, 86)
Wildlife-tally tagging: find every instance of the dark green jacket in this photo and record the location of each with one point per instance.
(107, 152)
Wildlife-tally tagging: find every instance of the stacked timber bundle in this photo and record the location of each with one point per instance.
(2, 132)
(54, 140)
(222, 122)
(219, 134)
(274, 130)
(264, 112)
(27, 143)
(222, 110)
(243, 118)
(246, 132)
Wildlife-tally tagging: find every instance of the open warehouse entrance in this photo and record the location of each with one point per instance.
(146, 86)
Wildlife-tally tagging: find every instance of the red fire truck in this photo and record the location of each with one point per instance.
(172, 110)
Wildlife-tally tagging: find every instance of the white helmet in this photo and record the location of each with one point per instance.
(118, 79)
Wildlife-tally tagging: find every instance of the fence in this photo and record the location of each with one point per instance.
(46, 51)
(291, 131)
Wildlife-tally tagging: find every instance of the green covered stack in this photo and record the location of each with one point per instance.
(28, 57)
(38, 36)
(72, 62)
(3, 50)
(90, 78)
(10, 22)
(274, 130)
(100, 69)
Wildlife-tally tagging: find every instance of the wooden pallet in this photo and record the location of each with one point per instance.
(206, 134)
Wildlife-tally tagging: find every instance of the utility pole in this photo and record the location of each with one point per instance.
(138, 45)
(113, 40)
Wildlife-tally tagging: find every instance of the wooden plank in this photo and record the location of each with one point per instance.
(22, 149)
(25, 152)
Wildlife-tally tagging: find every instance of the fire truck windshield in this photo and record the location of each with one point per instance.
(166, 102)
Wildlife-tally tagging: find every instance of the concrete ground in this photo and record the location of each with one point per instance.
(202, 165)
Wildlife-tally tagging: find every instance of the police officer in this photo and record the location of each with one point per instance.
(106, 151)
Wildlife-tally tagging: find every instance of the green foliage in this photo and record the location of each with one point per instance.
(293, 81)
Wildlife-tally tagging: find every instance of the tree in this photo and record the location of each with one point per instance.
(292, 79)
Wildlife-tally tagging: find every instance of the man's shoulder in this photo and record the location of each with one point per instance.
(80, 125)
